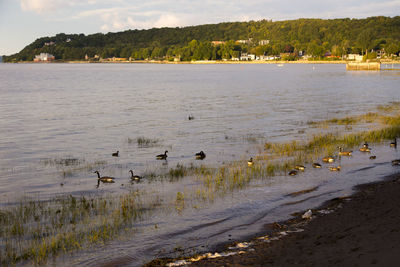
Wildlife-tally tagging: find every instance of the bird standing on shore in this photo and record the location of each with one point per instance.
(162, 156)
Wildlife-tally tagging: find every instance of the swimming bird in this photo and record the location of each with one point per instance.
(162, 156)
(191, 117)
(115, 154)
(365, 149)
(105, 179)
(344, 153)
(135, 177)
(328, 159)
(293, 172)
(372, 157)
(200, 155)
(335, 169)
(365, 145)
(316, 165)
(250, 162)
(300, 167)
(396, 162)
(394, 144)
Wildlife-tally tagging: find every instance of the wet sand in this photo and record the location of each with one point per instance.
(360, 230)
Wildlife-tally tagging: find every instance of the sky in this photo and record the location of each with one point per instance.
(23, 21)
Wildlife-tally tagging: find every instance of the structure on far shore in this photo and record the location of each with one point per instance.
(44, 57)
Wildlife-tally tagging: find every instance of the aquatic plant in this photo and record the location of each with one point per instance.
(144, 141)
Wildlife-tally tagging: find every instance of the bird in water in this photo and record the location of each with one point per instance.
(344, 153)
(115, 154)
(300, 167)
(135, 177)
(328, 159)
(365, 149)
(316, 165)
(396, 162)
(191, 117)
(162, 156)
(293, 173)
(105, 179)
(250, 162)
(200, 155)
(394, 143)
(335, 169)
(372, 157)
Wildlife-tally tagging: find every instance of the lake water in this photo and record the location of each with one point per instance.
(52, 113)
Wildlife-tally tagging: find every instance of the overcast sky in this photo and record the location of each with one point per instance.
(23, 21)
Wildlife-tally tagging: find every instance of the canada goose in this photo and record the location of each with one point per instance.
(191, 117)
(200, 155)
(365, 149)
(104, 179)
(394, 144)
(250, 162)
(115, 154)
(328, 159)
(344, 153)
(293, 173)
(335, 169)
(316, 165)
(162, 156)
(396, 162)
(365, 145)
(372, 157)
(135, 177)
(299, 167)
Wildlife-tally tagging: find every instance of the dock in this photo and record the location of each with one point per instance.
(363, 66)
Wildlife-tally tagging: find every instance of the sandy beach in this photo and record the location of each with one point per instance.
(358, 230)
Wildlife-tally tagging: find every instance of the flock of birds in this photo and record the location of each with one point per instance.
(201, 155)
(108, 179)
(331, 159)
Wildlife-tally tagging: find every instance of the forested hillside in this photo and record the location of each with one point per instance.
(312, 36)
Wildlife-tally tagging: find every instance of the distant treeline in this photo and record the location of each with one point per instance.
(315, 37)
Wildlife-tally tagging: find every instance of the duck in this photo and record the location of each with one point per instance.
(200, 155)
(162, 156)
(293, 173)
(396, 162)
(394, 143)
(135, 177)
(250, 162)
(105, 179)
(316, 165)
(191, 117)
(365, 145)
(328, 159)
(335, 169)
(372, 157)
(300, 167)
(115, 154)
(365, 149)
(344, 153)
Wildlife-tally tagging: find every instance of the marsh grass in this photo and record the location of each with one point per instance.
(34, 230)
(143, 141)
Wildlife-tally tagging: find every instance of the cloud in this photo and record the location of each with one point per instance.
(40, 6)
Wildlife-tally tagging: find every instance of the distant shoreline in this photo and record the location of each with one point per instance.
(200, 62)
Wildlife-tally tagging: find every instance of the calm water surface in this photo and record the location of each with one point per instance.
(85, 112)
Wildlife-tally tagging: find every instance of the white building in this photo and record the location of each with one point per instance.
(44, 57)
